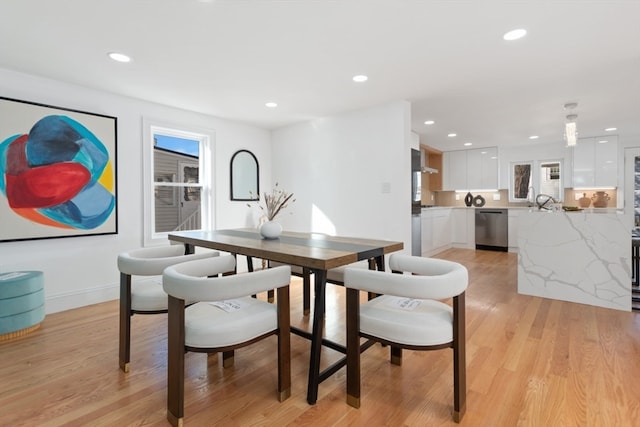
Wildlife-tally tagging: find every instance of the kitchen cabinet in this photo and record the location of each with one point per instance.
(482, 169)
(427, 232)
(595, 162)
(454, 165)
(463, 228)
(475, 169)
(441, 226)
(436, 230)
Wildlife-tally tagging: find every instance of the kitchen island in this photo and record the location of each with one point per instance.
(582, 257)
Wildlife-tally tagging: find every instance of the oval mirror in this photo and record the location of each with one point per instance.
(244, 176)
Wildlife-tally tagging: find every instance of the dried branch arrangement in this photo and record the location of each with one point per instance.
(275, 202)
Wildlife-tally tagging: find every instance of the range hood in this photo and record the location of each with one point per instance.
(427, 169)
(423, 162)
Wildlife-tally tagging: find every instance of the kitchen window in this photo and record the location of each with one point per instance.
(551, 179)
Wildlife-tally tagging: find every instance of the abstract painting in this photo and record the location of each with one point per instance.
(57, 172)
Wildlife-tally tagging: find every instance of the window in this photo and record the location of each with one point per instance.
(179, 181)
(551, 179)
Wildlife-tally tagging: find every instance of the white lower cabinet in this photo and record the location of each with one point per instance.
(441, 224)
(463, 234)
(436, 230)
(459, 230)
(427, 233)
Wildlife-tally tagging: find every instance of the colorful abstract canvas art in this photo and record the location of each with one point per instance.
(58, 176)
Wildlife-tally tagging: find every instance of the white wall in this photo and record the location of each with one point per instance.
(82, 270)
(350, 173)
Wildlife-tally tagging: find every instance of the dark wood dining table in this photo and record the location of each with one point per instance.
(316, 252)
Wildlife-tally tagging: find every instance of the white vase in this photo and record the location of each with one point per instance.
(271, 230)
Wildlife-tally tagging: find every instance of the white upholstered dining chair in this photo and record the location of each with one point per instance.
(145, 296)
(408, 315)
(226, 318)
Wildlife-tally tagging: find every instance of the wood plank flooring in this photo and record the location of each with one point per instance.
(530, 362)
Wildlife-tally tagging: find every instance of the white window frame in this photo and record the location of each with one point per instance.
(206, 137)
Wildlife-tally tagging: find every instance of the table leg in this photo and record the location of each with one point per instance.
(320, 277)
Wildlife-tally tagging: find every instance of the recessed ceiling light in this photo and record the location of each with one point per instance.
(466, 144)
(429, 122)
(452, 135)
(534, 137)
(610, 129)
(515, 34)
(603, 141)
(119, 57)
(360, 78)
(271, 104)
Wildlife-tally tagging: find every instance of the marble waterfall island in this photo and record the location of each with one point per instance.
(582, 257)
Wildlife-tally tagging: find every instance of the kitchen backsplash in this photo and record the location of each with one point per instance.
(448, 198)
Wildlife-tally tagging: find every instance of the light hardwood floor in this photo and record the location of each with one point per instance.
(530, 362)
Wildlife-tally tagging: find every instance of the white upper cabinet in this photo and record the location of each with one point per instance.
(482, 171)
(475, 169)
(454, 165)
(595, 162)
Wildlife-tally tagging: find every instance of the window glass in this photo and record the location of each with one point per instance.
(178, 180)
(551, 179)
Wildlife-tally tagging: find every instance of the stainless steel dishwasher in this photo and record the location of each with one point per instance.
(492, 229)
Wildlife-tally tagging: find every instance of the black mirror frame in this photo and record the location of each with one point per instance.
(257, 177)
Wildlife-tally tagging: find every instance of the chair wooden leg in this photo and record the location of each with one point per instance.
(353, 348)
(175, 362)
(306, 292)
(124, 351)
(396, 355)
(459, 359)
(228, 358)
(375, 264)
(284, 344)
(270, 296)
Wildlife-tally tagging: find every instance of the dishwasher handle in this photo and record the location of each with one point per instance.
(491, 212)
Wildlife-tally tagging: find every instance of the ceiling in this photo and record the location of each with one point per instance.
(228, 58)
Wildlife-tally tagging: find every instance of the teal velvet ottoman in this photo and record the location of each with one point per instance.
(21, 303)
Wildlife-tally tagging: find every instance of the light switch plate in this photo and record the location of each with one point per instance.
(496, 196)
(386, 187)
(457, 197)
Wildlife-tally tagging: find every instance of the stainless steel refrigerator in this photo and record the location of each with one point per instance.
(416, 198)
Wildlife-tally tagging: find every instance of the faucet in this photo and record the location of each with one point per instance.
(542, 200)
(531, 195)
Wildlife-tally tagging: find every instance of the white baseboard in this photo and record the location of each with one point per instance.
(70, 300)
